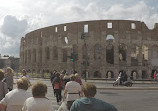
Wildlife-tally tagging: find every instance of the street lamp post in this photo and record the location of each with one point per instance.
(85, 62)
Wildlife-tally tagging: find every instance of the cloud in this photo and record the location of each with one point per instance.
(13, 27)
(26, 15)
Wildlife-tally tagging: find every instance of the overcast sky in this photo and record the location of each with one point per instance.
(18, 17)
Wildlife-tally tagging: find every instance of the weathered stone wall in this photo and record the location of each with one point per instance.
(133, 48)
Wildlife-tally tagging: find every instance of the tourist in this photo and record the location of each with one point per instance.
(89, 103)
(58, 86)
(3, 85)
(72, 91)
(24, 74)
(66, 78)
(155, 75)
(38, 102)
(52, 76)
(78, 79)
(14, 100)
(9, 78)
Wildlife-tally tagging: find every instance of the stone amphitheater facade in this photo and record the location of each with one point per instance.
(108, 46)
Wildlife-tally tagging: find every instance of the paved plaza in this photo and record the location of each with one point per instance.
(124, 98)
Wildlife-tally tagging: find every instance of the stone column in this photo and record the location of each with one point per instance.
(128, 57)
(116, 50)
(140, 74)
(140, 56)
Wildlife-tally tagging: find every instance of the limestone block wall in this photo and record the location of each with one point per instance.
(109, 46)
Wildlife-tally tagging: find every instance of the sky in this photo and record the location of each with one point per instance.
(18, 17)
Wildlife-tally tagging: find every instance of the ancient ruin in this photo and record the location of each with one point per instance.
(103, 48)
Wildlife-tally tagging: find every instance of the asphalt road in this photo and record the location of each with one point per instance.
(131, 100)
(123, 100)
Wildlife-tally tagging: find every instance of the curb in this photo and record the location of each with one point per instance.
(128, 88)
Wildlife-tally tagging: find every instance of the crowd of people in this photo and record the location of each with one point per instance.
(76, 96)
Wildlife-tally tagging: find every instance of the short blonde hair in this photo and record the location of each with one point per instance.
(39, 89)
(10, 69)
(22, 83)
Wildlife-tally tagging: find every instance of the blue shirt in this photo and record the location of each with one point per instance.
(91, 104)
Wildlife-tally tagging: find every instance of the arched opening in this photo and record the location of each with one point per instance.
(97, 74)
(144, 74)
(64, 55)
(55, 53)
(134, 75)
(109, 74)
(154, 57)
(134, 55)
(122, 52)
(47, 53)
(145, 55)
(110, 49)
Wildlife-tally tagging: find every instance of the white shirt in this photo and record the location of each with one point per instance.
(3, 89)
(15, 99)
(38, 104)
(72, 87)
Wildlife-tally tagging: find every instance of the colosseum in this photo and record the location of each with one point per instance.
(102, 48)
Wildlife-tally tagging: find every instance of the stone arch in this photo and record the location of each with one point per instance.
(110, 38)
(144, 74)
(97, 52)
(110, 49)
(47, 52)
(134, 55)
(134, 75)
(154, 55)
(122, 52)
(55, 53)
(145, 54)
(97, 74)
(64, 55)
(110, 74)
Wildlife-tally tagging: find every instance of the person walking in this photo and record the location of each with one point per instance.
(89, 103)
(155, 73)
(72, 91)
(14, 100)
(24, 74)
(66, 78)
(3, 85)
(52, 76)
(38, 102)
(58, 86)
(157, 77)
(78, 79)
(9, 78)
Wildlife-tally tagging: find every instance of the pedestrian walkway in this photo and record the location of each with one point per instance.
(50, 93)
